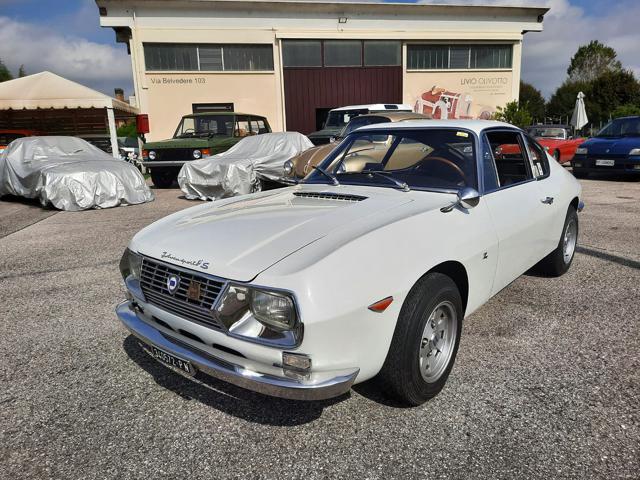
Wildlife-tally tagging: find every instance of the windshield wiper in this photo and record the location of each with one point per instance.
(404, 186)
(333, 179)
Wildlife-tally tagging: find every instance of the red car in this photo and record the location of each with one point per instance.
(8, 136)
(557, 140)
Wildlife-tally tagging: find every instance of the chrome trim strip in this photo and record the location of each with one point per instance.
(160, 163)
(322, 387)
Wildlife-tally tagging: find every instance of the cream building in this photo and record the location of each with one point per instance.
(292, 61)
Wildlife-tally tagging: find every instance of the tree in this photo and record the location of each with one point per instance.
(591, 61)
(514, 114)
(5, 74)
(626, 111)
(532, 100)
(22, 72)
(128, 130)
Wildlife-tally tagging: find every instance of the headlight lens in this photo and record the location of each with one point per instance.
(152, 155)
(273, 309)
(582, 151)
(288, 167)
(635, 151)
(197, 154)
(130, 265)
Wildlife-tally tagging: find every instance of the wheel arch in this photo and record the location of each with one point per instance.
(574, 203)
(458, 273)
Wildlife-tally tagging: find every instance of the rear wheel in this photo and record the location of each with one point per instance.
(425, 342)
(162, 178)
(559, 261)
(556, 155)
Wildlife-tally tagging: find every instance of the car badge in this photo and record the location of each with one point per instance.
(193, 292)
(607, 150)
(173, 282)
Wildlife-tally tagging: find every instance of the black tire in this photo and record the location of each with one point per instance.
(401, 377)
(556, 264)
(556, 155)
(163, 178)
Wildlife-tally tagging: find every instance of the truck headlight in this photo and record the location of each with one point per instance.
(152, 154)
(582, 151)
(197, 154)
(266, 316)
(635, 151)
(130, 265)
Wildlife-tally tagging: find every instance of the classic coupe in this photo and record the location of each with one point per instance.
(557, 140)
(615, 149)
(364, 269)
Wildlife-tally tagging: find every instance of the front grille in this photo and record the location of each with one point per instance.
(153, 281)
(331, 196)
(174, 154)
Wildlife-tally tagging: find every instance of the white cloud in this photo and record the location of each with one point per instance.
(95, 65)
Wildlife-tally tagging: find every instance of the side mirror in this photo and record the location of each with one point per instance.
(467, 198)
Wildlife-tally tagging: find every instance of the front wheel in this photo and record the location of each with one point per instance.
(425, 342)
(558, 262)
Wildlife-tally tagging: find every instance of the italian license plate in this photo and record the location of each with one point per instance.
(603, 162)
(172, 360)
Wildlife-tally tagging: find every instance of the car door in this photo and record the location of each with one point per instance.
(513, 200)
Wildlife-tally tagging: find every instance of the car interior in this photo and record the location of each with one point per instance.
(512, 165)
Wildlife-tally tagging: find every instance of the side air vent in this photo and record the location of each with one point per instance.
(331, 196)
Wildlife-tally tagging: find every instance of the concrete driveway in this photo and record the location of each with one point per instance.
(546, 384)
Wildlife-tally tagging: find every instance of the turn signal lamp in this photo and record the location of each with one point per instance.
(381, 305)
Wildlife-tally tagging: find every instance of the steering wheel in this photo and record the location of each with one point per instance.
(446, 162)
(188, 130)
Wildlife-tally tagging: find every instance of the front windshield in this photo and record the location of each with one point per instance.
(621, 127)
(427, 159)
(205, 126)
(361, 122)
(546, 132)
(339, 118)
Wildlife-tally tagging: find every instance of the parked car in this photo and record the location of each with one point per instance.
(557, 140)
(302, 164)
(100, 140)
(339, 117)
(615, 149)
(7, 136)
(197, 136)
(365, 269)
(129, 149)
(69, 174)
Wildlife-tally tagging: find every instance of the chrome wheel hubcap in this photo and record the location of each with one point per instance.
(569, 241)
(438, 339)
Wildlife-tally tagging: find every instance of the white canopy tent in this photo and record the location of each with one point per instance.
(47, 91)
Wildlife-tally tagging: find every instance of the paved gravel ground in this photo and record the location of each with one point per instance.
(546, 384)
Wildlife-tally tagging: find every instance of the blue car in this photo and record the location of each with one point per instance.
(615, 149)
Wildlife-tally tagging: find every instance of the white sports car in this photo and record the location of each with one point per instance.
(365, 269)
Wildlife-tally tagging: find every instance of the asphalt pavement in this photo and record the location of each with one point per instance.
(546, 383)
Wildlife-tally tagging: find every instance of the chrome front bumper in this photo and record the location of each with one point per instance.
(317, 387)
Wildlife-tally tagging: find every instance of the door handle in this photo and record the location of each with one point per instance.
(548, 200)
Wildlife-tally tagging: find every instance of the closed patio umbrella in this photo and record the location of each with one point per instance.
(579, 118)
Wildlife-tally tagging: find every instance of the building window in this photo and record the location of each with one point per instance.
(341, 53)
(464, 57)
(302, 53)
(184, 57)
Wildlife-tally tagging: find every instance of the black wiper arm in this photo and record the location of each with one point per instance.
(333, 179)
(404, 186)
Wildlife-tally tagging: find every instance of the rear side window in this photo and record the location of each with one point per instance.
(511, 162)
(242, 126)
(258, 126)
(538, 158)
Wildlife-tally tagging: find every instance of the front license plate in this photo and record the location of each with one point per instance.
(603, 162)
(172, 360)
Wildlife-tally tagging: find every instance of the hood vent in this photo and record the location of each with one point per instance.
(345, 197)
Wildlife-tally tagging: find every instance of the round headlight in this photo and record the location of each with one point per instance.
(288, 167)
(152, 155)
(197, 154)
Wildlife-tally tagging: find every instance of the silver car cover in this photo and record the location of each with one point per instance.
(70, 174)
(238, 171)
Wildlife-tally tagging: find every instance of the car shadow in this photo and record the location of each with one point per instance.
(371, 390)
(239, 402)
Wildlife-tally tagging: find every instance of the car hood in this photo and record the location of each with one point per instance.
(193, 142)
(326, 132)
(240, 237)
(611, 146)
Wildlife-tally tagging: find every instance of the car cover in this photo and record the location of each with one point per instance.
(241, 169)
(70, 174)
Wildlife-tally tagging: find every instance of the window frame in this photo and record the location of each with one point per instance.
(470, 47)
(323, 63)
(523, 148)
(545, 159)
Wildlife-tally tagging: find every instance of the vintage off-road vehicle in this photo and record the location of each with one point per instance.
(198, 135)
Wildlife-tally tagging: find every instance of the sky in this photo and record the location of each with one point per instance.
(64, 36)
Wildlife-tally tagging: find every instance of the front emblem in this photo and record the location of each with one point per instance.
(193, 292)
(173, 282)
(607, 150)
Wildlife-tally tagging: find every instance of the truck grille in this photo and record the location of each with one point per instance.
(169, 154)
(153, 281)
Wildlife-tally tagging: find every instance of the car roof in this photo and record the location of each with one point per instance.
(549, 125)
(395, 116)
(381, 107)
(476, 126)
(199, 114)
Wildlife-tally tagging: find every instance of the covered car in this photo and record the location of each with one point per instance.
(242, 168)
(70, 174)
